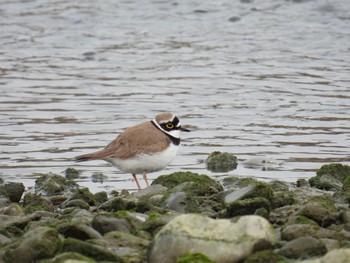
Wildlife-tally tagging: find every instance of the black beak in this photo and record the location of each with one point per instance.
(184, 129)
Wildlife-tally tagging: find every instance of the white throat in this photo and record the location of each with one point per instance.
(174, 133)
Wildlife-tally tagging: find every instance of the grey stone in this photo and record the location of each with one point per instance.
(303, 247)
(148, 192)
(193, 233)
(105, 224)
(39, 243)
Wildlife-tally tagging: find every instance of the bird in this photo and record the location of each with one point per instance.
(144, 148)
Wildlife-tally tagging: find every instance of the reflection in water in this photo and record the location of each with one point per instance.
(264, 81)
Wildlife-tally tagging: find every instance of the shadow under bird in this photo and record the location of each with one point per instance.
(147, 147)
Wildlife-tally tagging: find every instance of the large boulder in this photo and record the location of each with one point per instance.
(39, 243)
(220, 240)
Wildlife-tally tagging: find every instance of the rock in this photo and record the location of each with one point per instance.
(295, 231)
(98, 177)
(246, 207)
(345, 191)
(52, 184)
(13, 191)
(101, 197)
(34, 202)
(127, 246)
(189, 192)
(11, 222)
(71, 173)
(303, 247)
(107, 223)
(265, 256)
(97, 252)
(13, 210)
(4, 201)
(238, 194)
(202, 184)
(193, 233)
(321, 210)
(330, 176)
(299, 219)
(80, 216)
(177, 202)
(83, 194)
(282, 198)
(326, 182)
(148, 192)
(76, 203)
(155, 222)
(39, 243)
(337, 170)
(4, 240)
(341, 255)
(71, 257)
(302, 182)
(78, 231)
(194, 258)
(221, 162)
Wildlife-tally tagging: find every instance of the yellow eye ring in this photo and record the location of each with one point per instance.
(169, 125)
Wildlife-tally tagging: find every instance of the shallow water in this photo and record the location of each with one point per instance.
(264, 80)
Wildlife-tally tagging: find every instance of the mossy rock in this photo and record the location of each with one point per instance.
(221, 162)
(53, 184)
(194, 258)
(330, 177)
(300, 219)
(266, 256)
(85, 195)
(346, 189)
(101, 197)
(155, 222)
(247, 207)
(261, 189)
(98, 177)
(71, 173)
(88, 249)
(337, 170)
(202, 184)
(39, 243)
(13, 191)
(282, 199)
(320, 209)
(71, 257)
(34, 202)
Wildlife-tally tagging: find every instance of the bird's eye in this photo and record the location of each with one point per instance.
(169, 125)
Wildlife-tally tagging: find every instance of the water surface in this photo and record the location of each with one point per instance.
(264, 80)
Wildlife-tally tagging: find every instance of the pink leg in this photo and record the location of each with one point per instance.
(136, 181)
(145, 178)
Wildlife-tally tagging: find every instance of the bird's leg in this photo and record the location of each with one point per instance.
(145, 178)
(136, 181)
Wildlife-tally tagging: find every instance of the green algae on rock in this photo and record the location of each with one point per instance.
(320, 209)
(53, 184)
(71, 173)
(39, 243)
(13, 191)
(221, 162)
(194, 258)
(331, 176)
(201, 184)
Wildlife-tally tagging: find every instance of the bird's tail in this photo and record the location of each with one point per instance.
(99, 155)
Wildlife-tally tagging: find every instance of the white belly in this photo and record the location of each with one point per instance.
(146, 163)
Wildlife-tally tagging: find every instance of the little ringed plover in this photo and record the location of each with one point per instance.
(147, 147)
